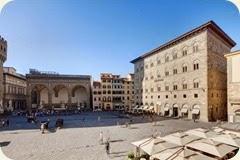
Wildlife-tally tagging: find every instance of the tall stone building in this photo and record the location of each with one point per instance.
(113, 92)
(3, 58)
(186, 77)
(53, 91)
(233, 66)
(15, 87)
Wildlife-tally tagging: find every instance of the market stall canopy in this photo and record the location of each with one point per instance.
(229, 139)
(203, 133)
(184, 110)
(180, 138)
(211, 147)
(196, 111)
(154, 145)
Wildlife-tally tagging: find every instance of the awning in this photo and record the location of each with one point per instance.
(145, 107)
(166, 108)
(184, 110)
(195, 111)
(150, 108)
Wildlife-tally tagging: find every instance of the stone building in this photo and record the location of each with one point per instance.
(53, 90)
(186, 77)
(233, 66)
(15, 85)
(3, 58)
(113, 92)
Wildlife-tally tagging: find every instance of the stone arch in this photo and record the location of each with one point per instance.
(175, 110)
(79, 95)
(39, 95)
(60, 95)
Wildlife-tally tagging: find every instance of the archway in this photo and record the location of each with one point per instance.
(166, 109)
(175, 110)
(60, 96)
(184, 111)
(39, 96)
(196, 112)
(79, 96)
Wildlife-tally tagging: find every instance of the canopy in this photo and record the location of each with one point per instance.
(150, 108)
(145, 107)
(212, 147)
(166, 154)
(166, 108)
(229, 139)
(203, 133)
(153, 145)
(184, 110)
(195, 111)
(180, 138)
(2, 155)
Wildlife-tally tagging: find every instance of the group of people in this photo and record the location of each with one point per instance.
(4, 122)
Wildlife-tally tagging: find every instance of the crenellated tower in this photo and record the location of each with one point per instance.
(3, 58)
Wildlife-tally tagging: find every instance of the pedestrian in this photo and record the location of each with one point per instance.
(101, 137)
(42, 127)
(107, 146)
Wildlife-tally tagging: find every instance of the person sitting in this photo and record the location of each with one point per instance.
(59, 123)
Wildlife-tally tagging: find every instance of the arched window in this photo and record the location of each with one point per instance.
(167, 58)
(175, 55)
(184, 84)
(175, 70)
(184, 68)
(175, 86)
(184, 51)
(196, 65)
(166, 87)
(158, 61)
(196, 83)
(195, 47)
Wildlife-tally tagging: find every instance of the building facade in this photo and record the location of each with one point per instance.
(3, 58)
(186, 77)
(113, 92)
(52, 90)
(233, 82)
(15, 86)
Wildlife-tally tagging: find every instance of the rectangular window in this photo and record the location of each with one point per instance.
(184, 96)
(195, 95)
(166, 96)
(175, 87)
(196, 85)
(159, 88)
(167, 88)
(167, 73)
(175, 71)
(175, 96)
(184, 86)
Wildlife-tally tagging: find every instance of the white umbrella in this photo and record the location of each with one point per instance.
(180, 138)
(229, 139)
(153, 145)
(212, 147)
(166, 154)
(203, 133)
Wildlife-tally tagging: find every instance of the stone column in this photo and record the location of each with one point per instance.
(50, 93)
(69, 96)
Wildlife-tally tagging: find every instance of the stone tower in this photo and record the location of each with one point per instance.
(3, 57)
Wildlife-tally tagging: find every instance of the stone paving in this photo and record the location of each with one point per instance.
(79, 139)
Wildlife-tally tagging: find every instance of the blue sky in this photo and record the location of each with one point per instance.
(94, 36)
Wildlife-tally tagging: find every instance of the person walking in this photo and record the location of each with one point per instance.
(107, 146)
(101, 137)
